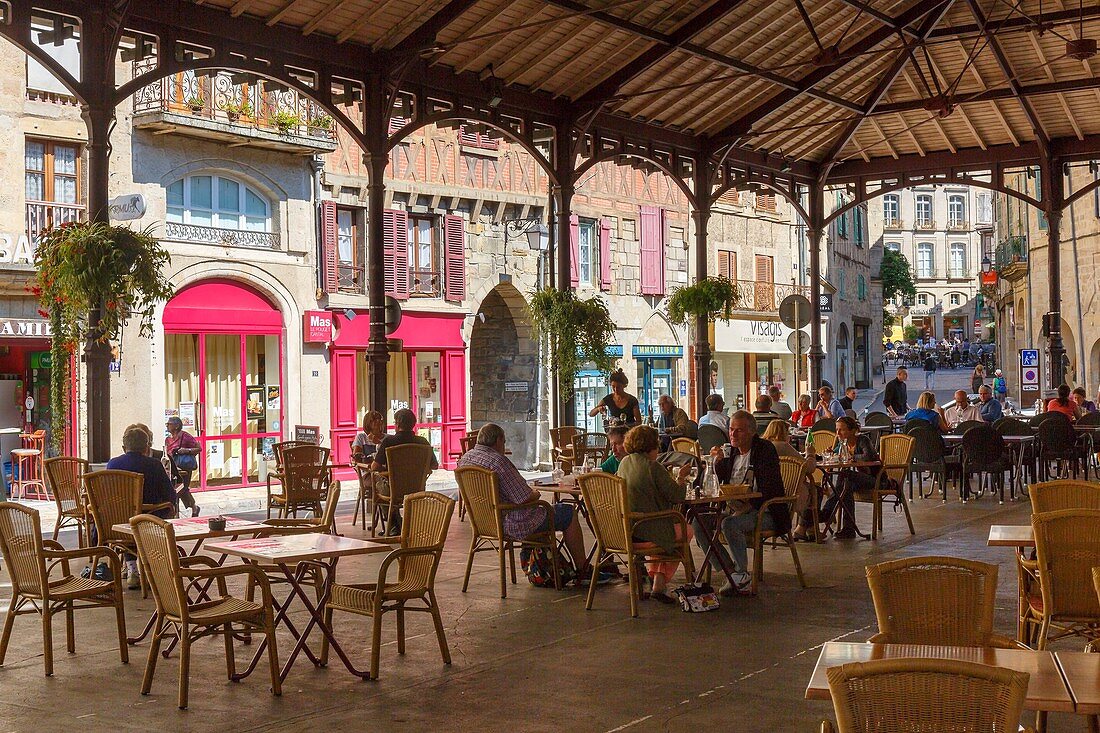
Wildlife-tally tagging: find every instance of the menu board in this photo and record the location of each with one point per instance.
(308, 433)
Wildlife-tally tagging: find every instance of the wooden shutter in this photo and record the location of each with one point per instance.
(605, 254)
(574, 250)
(330, 276)
(395, 225)
(764, 271)
(652, 247)
(727, 264)
(454, 255)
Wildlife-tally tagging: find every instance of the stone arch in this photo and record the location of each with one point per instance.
(504, 349)
(1074, 373)
(1093, 370)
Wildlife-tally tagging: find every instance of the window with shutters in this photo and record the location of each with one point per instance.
(984, 214)
(764, 269)
(479, 136)
(727, 264)
(652, 249)
(857, 225)
(349, 261)
(425, 273)
(588, 253)
(840, 285)
(861, 287)
(766, 202)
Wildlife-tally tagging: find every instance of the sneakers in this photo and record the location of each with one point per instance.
(133, 582)
(102, 573)
(740, 585)
(602, 577)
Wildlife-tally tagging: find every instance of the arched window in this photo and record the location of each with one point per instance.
(217, 201)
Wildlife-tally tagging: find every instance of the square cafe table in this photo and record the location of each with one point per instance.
(714, 509)
(1046, 689)
(1081, 671)
(294, 555)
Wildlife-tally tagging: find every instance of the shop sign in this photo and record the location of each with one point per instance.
(16, 249)
(308, 433)
(988, 278)
(646, 351)
(826, 301)
(24, 328)
(517, 386)
(755, 337)
(317, 327)
(125, 208)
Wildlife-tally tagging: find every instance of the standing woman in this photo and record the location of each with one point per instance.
(619, 404)
(182, 449)
(977, 379)
(367, 440)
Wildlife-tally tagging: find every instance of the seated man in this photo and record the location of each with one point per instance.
(779, 407)
(764, 413)
(716, 413)
(753, 460)
(989, 408)
(488, 453)
(616, 438)
(404, 422)
(137, 444)
(673, 421)
(961, 410)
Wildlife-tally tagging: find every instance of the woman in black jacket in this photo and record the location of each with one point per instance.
(855, 447)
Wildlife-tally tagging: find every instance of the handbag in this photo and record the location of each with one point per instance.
(186, 462)
(696, 598)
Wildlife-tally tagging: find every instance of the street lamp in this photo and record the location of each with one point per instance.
(987, 264)
(538, 235)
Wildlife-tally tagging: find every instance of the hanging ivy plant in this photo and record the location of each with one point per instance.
(712, 297)
(578, 331)
(92, 266)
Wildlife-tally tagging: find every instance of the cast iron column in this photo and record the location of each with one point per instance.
(377, 156)
(98, 114)
(701, 214)
(814, 229)
(563, 168)
(1053, 199)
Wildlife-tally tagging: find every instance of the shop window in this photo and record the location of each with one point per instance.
(766, 202)
(219, 202)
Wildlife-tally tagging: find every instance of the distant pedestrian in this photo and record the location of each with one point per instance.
(930, 364)
(1000, 386)
(977, 379)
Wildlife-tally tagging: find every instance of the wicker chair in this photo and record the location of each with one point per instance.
(824, 440)
(1067, 546)
(590, 445)
(480, 492)
(984, 452)
(423, 535)
(25, 556)
(608, 503)
(277, 473)
(921, 695)
(113, 498)
(896, 452)
(686, 445)
(325, 523)
(64, 475)
(935, 601)
(407, 469)
(186, 620)
(561, 445)
(793, 471)
(824, 423)
(1050, 496)
(305, 478)
(366, 496)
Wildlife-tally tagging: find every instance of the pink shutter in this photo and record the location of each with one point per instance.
(330, 277)
(454, 247)
(395, 225)
(605, 254)
(574, 250)
(652, 248)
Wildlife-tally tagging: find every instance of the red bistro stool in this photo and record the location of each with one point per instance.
(28, 473)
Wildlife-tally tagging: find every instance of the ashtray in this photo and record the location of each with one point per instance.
(217, 524)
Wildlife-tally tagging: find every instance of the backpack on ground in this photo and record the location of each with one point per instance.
(540, 571)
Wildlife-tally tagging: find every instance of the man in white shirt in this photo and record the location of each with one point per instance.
(962, 410)
(716, 413)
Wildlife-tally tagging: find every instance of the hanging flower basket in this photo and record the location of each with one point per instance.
(714, 298)
(578, 331)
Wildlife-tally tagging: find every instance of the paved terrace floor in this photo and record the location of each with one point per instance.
(536, 661)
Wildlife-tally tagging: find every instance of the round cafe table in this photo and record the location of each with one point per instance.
(848, 513)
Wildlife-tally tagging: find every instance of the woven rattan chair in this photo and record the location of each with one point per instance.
(26, 555)
(825, 423)
(324, 523)
(423, 534)
(186, 620)
(925, 696)
(935, 601)
(590, 445)
(686, 445)
(561, 445)
(608, 502)
(305, 478)
(64, 474)
(1050, 496)
(407, 469)
(1067, 547)
(113, 498)
(481, 493)
(277, 473)
(896, 453)
(824, 440)
(793, 471)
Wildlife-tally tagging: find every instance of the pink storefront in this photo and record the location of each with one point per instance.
(428, 377)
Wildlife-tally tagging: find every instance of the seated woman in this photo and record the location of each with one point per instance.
(1063, 404)
(653, 489)
(929, 411)
(804, 416)
(779, 433)
(860, 447)
(367, 440)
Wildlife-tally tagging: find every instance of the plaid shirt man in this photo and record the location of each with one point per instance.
(513, 490)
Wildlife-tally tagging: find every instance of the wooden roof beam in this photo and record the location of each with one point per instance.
(807, 83)
(1031, 21)
(997, 94)
(1038, 48)
(423, 36)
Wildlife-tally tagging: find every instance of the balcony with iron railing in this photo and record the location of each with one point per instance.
(222, 108)
(43, 215)
(178, 232)
(957, 225)
(350, 278)
(1010, 257)
(765, 297)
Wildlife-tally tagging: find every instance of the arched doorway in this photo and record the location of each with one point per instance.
(504, 386)
(1074, 373)
(658, 353)
(223, 364)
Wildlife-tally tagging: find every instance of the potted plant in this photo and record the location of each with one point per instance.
(235, 110)
(321, 122)
(92, 267)
(713, 298)
(577, 331)
(196, 103)
(285, 121)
